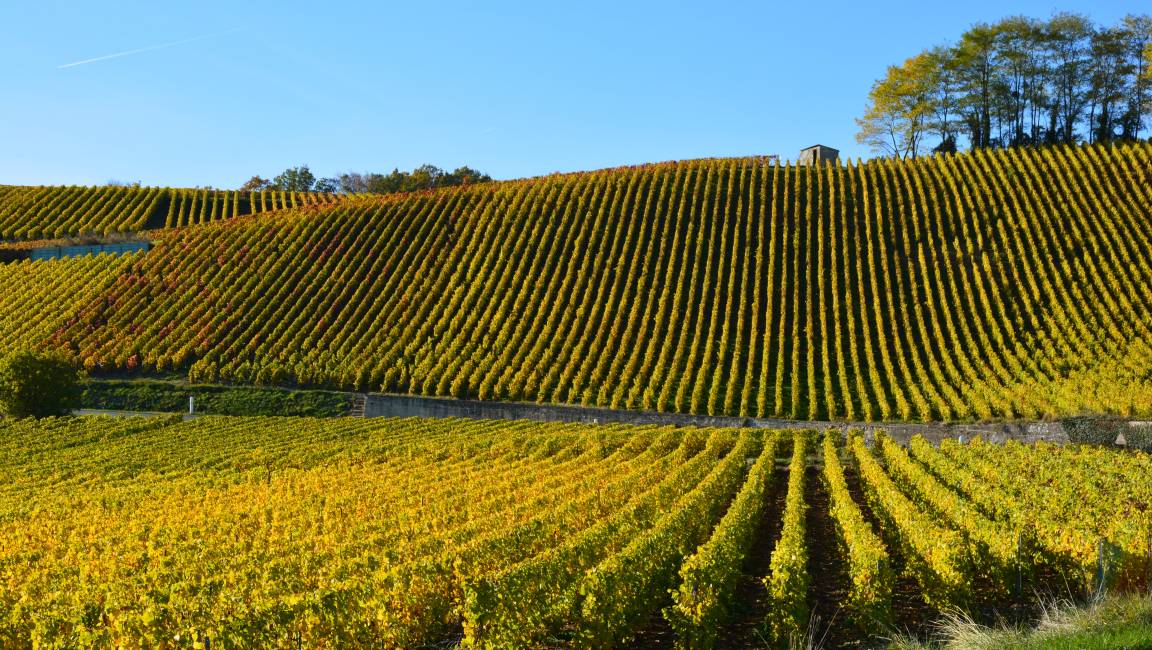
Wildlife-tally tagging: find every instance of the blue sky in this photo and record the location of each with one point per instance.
(513, 89)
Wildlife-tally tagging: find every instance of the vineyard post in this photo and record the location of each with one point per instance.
(1149, 552)
(1101, 567)
(1019, 571)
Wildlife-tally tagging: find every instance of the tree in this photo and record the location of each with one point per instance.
(1020, 75)
(327, 185)
(467, 176)
(899, 109)
(1020, 82)
(1137, 31)
(1066, 44)
(1109, 70)
(354, 183)
(1148, 67)
(945, 96)
(34, 384)
(974, 57)
(425, 177)
(256, 184)
(387, 184)
(295, 179)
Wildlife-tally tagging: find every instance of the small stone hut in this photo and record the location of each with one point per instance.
(818, 153)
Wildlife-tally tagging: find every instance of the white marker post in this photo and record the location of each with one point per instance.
(191, 405)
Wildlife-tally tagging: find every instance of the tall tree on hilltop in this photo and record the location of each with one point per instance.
(424, 177)
(899, 109)
(1020, 69)
(1108, 71)
(255, 184)
(295, 179)
(975, 65)
(1148, 63)
(1066, 44)
(944, 94)
(327, 185)
(1023, 82)
(1137, 39)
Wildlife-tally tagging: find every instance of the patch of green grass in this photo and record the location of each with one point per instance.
(1112, 623)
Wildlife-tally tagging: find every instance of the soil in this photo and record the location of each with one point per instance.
(911, 615)
(751, 602)
(833, 626)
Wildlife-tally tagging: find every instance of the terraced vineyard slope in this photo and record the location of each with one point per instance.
(38, 296)
(30, 212)
(290, 532)
(986, 285)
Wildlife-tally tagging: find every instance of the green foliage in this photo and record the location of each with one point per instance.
(708, 578)
(935, 554)
(617, 597)
(34, 384)
(789, 578)
(216, 400)
(1018, 82)
(869, 565)
(515, 606)
(424, 177)
(1107, 430)
(294, 179)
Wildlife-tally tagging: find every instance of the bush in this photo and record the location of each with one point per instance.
(143, 395)
(34, 384)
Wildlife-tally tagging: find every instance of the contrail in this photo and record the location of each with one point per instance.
(147, 49)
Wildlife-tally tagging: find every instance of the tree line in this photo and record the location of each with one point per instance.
(1017, 82)
(424, 177)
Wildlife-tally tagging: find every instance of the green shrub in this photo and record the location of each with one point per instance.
(144, 395)
(35, 384)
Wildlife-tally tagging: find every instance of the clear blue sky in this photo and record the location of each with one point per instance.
(513, 89)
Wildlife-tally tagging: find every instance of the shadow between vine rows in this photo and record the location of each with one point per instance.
(830, 582)
(911, 615)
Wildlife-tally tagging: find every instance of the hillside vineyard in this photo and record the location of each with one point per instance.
(37, 296)
(347, 533)
(991, 284)
(28, 212)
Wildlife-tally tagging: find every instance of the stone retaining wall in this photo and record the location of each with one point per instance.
(377, 405)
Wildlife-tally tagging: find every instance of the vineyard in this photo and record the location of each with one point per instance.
(189, 207)
(274, 532)
(38, 296)
(1008, 284)
(29, 213)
